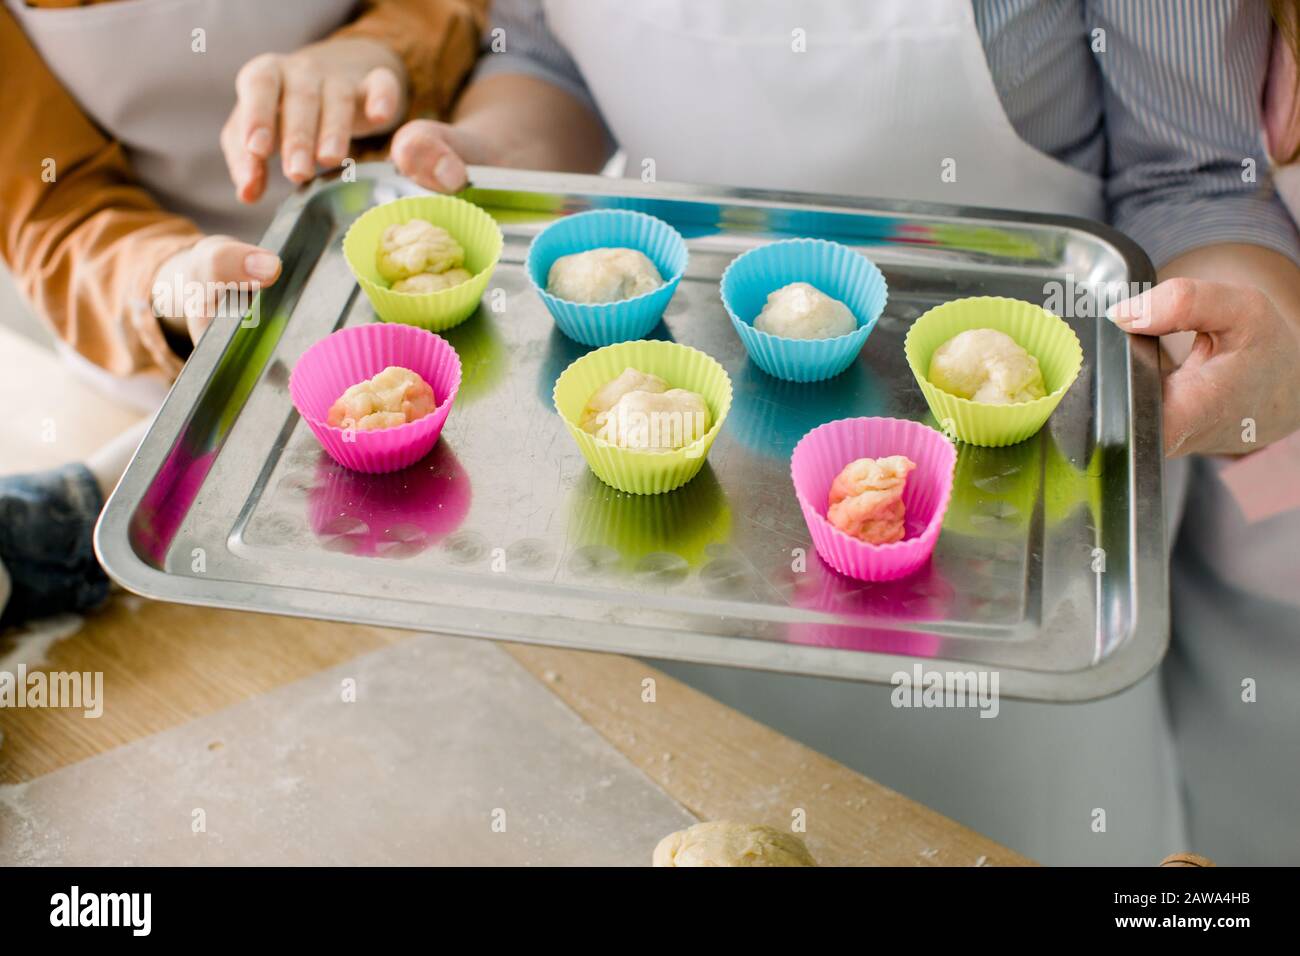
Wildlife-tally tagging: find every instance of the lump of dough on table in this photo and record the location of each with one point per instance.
(802, 311)
(866, 499)
(423, 283)
(986, 365)
(723, 843)
(393, 397)
(409, 248)
(639, 410)
(602, 275)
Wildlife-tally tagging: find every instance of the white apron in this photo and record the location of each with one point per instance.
(885, 95)
(134, 68)
(886, 99)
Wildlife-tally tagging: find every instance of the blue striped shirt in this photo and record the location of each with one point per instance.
(1168, 115)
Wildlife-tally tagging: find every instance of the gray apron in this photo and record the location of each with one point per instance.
(1236, 603)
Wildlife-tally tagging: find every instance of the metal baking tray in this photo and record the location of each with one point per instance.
(1050, 569)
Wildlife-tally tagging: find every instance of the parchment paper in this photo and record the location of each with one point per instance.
(450, 754)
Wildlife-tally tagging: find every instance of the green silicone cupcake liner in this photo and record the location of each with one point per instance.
(473, 228)
(1038, 331)
(631, 470)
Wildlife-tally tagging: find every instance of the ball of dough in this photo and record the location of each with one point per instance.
(640, 411)
(866, 499)
(409, 248)
(423, 283)
(986, 365)
(607, 396)
(722, 843)
(802, 311)
(393, 397)
(657, 421)
(602, 275)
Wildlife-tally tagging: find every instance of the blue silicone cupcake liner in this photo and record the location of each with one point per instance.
(836, 270)
(609, 322)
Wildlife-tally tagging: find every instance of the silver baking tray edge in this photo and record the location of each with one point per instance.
(1051, 568)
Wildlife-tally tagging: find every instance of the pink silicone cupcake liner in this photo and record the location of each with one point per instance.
(352, 355)
(823, 453)
(397, 515)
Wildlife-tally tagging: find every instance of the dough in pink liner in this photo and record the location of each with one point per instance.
(822, 454)
(866, 499)
(393, 397)
(352, 355)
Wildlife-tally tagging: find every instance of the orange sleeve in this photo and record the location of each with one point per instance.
(82, 238)
(438, 40)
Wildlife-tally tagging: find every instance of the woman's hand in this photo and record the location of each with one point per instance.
(502, 120)
(188, 288)
(1237, 390)
(310, 105)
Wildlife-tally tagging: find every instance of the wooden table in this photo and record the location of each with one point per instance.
(169, 664)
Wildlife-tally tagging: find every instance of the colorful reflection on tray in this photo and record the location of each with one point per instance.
(395, 515)
(779, 413)
(641, 532)
(482, 354)
(884, 617)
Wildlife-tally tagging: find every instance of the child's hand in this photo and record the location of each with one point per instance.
(311, 103)
(188, 287)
